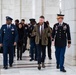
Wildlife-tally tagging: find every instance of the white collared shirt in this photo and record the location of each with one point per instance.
(41, 28)
(8, 26)
(61, 23)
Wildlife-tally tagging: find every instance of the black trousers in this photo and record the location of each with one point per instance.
(24, 44)
(14, 50)
(41, 53)
(49, 48)
(19, 51)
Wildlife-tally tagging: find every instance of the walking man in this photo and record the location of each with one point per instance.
(61, 35)
(9, 38)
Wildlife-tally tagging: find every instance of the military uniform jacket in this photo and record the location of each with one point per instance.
(9, 35)
(61, 34)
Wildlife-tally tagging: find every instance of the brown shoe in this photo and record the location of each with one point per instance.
(43, 65)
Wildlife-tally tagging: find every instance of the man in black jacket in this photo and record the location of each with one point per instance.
(61, 35)
(25, 34)
(33, 49)
(16, 24)
(49, 43)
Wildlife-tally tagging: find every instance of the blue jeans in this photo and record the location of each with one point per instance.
(60, 55)
(33, 49)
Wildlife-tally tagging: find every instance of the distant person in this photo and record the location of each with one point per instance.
(20, 41)
(25, 34)
(33, 49)
(49, 42)
(17, 22)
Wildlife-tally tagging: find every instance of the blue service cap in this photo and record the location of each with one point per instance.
(8, 18)
(32, 20)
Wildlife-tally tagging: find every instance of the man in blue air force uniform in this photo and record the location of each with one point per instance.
(9, 38)
(61, 36)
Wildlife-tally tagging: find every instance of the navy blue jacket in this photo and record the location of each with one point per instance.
(9, 35)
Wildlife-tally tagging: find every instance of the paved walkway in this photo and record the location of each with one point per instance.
(25, 67)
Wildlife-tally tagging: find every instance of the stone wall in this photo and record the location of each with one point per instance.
(51, 9)
(17, 9)
(0, 13)
(29, 9)
(69, 9)
(9, 8)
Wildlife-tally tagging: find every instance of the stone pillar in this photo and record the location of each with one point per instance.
(51, 9)
(48, 8)
(38, 9)
(26, 9)
(17, 9)
(33, 8)
(0, 12)
(7, 9)
(69, 9)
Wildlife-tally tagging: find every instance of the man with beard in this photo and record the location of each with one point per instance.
(41, 32)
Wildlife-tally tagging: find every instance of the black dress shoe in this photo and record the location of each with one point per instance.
(35, 59)
(20, 58)
(14, 55)
(5, 67)
(17, 58)
(57, 67)
(39, 67)
(10, 65)
(50, 58)
(31, 59)
(63, 70)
